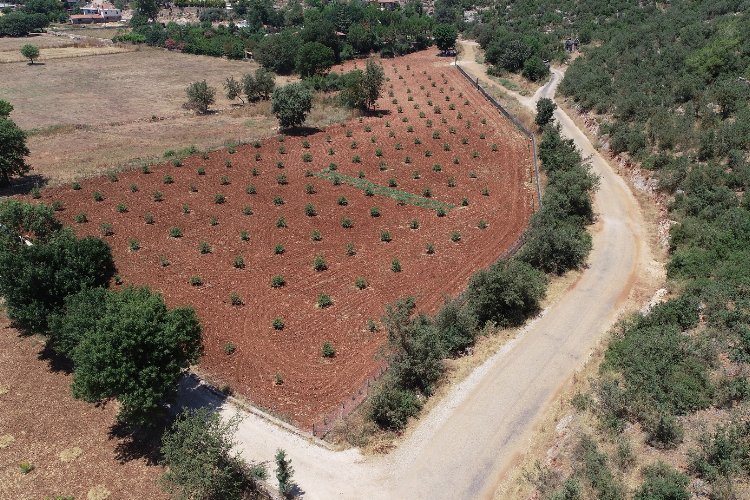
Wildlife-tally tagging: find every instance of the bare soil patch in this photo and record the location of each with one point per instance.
(66, 440)
(494, 183)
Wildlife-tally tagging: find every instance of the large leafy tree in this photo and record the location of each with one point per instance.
(314, 58)
(278, 53)
(13, 150)
(29, 220)
(199, 459)
(362, 89)
(147, 8)
(35, 279)
(445, 36)
(290, 104)
(361, 38)
(373, 82)
(134, 350)
(545, 110)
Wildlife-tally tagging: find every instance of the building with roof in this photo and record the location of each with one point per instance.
(97, 13)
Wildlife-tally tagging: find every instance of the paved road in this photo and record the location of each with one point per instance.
(462, 448)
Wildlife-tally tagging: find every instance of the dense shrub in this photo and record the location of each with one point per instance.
(663, 481)
(390, 407)
(199, 459)
(456, 326)
(725, 452)
(662, 368)
(506, 293)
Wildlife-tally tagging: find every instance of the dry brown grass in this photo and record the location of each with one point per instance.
(105, 32)
(90, 114)
(47, 54)
(42, 41)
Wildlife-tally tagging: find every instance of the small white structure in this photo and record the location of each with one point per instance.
(97, 13)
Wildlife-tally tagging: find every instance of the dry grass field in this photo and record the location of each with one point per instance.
(89, 114)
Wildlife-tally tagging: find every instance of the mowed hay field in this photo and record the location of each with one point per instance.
(66, 440)
(90, 113)
(422, 152)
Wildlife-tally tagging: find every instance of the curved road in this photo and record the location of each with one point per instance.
(465, 444)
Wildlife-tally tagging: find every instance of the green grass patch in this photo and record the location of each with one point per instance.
(398, 195)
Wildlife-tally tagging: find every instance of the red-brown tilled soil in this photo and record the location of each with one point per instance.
(313, 385)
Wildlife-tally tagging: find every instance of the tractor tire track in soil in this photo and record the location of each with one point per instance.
(312, 385)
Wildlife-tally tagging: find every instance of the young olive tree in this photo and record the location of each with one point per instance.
(200, 96)
(291, 104)
(233, 89)
(30, 52)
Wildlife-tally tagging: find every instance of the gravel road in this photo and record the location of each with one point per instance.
(462, 448)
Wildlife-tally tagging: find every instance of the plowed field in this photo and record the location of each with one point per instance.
(431, 159)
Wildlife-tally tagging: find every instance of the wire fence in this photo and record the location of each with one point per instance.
(520, 126)
(324, 425)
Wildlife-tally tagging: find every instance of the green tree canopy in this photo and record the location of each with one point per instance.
(34, 280)
(363, 89)
(534, 68)
(35, 221)
(361, 38)
(314, 58)
(445, 36)
(20, 23)
(290, 104)
(278, 53)
(133, 349)
(545, 110)
(200, 96)
(506, 293)
(13, 149)
(147, 8)
(30, 52)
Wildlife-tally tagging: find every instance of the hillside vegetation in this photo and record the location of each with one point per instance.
(668, 85)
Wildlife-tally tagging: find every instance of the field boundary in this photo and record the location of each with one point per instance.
(510, 116)
(251, 408)
(327, 423)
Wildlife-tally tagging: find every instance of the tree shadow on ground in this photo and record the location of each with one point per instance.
(145, 443)
(55, 361)
(303, 131)
(23, 185)
(296, 491)
(376, 113)
(142, 443)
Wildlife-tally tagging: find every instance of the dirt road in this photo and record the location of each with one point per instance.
(462, 448)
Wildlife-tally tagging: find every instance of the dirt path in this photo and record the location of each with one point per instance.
(463, 447)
